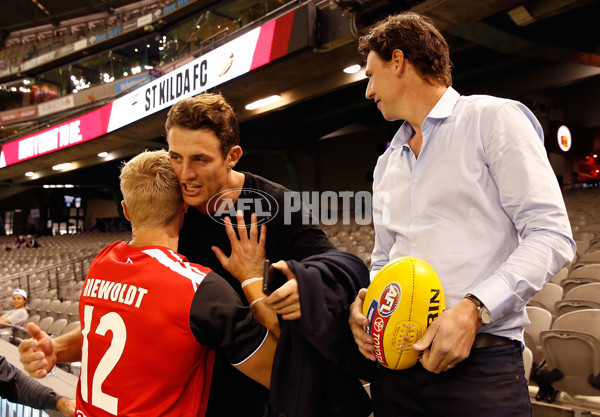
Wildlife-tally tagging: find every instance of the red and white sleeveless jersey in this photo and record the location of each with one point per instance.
(141, 355)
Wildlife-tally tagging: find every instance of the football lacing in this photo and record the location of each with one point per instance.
(408, 336)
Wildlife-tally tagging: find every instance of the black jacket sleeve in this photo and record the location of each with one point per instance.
(17, 387)
(317, 363)
(219, 319)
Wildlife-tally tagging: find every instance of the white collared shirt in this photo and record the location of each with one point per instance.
(481, 205)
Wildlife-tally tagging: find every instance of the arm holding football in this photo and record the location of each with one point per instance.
(358, 322)
(454, 333)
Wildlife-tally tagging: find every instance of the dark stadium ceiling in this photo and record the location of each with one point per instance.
(506, 47)
(21, 14)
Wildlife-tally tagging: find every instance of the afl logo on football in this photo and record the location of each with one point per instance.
(389, 300)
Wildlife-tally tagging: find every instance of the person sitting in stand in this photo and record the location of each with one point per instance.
(16, 316)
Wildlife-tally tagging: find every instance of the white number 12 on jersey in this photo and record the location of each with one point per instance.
(113, 322)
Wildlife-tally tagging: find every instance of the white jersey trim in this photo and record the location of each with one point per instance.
(182, 268)
(255, 350)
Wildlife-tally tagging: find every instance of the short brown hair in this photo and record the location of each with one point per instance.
(150, 189)
(420, 41)
(206, 111)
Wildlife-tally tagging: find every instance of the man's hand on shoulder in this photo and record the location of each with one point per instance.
(247, 252)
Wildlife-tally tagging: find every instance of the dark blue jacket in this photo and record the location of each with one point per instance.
(317, 363)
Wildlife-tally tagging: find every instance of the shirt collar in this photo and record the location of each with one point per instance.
(442, 109)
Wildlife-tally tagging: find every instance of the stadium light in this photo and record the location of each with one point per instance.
(263, 102)
(59, 167)
(353, 69)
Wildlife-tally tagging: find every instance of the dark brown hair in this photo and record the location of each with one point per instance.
(416, 36)
(206, 111)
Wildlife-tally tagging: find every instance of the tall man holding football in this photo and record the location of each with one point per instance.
(471, 192)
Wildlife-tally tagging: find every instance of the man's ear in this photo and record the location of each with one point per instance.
(234, 155)
(125, 212)
(398, 60)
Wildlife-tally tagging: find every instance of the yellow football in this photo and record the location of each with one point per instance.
(401, 302)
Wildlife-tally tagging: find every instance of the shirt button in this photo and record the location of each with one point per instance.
(416, 214)
(414, 245)
(415, 180)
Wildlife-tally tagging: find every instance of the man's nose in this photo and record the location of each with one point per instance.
(369, 91)
(188, 170)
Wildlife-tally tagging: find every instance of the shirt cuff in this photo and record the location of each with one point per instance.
(491, 292)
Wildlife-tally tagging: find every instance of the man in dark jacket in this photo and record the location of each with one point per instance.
(17, 387)
(203, 138)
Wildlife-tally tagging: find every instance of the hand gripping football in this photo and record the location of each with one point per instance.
(402, 301)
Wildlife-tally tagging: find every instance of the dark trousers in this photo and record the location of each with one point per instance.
(489, 383)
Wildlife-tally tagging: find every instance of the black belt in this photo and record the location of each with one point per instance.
(484, 340)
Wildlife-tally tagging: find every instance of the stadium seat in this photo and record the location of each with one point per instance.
(585, 271)
(588, 292)
(585, 235)
(591, 256)
(72, 325)
(51, 308)
(566, 306)
(61, 310)
(527, 362)
(73, 311)
(572, 351)
(582, 246)
(41, 307)
(44, 323)
(32, 319)
(33, 304)
(560, 276)
(547, 296)
(570, 283)
(57, 326)
(540, 319)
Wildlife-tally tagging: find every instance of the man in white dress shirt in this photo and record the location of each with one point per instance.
(466, 186)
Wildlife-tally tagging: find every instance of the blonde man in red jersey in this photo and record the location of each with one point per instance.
(142, 300)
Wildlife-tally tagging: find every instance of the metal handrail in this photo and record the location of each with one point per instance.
(24, 278)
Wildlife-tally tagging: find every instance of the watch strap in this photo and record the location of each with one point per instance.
(485, 317)
(475, 300)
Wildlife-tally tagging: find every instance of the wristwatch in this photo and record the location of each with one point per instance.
(485, 316)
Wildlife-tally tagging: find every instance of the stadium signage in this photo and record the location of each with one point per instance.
(241, 55)
(563, 136)
(73, 132)
(50, 140)
(214, 68)
(176, 85)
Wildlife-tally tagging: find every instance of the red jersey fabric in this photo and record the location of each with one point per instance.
(140, 355)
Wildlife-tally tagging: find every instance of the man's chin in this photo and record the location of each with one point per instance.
(194, 201)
